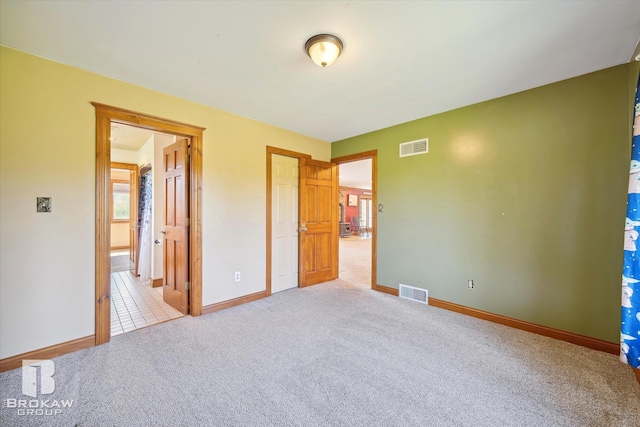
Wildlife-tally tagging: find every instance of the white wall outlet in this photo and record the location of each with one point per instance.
(470, 284)
(237, 276)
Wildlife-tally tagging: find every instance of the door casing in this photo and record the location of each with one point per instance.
(105, 115)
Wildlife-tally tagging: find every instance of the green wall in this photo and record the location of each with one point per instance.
(524, 194)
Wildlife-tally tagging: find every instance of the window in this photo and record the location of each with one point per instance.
(120, 201)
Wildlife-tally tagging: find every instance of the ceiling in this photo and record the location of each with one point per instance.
(130, 138)
(356, 174)
(401, 60)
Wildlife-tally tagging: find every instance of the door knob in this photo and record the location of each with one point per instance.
(303, 228)
(163, 232)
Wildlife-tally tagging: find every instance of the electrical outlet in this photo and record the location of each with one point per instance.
(237, 276)
(470, 284)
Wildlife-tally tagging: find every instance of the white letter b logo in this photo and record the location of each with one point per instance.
(30, 377)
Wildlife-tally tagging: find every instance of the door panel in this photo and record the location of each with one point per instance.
(176, 232)
(318, 222)
(284, 246)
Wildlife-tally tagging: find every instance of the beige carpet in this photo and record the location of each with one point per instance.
(355, 261)
(334, 355)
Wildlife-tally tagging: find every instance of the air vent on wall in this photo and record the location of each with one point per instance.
(414, 294)
(419, 146)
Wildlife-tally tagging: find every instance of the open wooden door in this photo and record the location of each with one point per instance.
(318, 258)
(176, 233)
(134, 186)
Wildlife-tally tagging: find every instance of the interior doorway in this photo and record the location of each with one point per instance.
(358, 229)
(141, 293)
(182, 234)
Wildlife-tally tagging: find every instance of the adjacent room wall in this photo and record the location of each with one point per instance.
(47, 148)
(123, 156)
(524, 194)
(350, 211)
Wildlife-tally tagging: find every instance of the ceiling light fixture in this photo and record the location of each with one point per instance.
(323, 49)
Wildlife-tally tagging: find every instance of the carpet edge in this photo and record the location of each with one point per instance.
(573, 338)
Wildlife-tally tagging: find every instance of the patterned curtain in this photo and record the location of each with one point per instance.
(630, 330)
(144, 219)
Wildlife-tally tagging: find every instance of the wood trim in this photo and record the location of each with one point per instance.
(113, 248)
(195, 218)
(103, 231)
(105, 115)
(281, 152)
(385, 289)
(233, 302)
(127, 166)
(50, 352)
(637, 372)
(373, 155)
(287, 153)
(582, 340)
(358, 156)
(146, 121)
(156, 283)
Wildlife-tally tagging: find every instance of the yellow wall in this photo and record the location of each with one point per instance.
(119, 234)
(47, 148)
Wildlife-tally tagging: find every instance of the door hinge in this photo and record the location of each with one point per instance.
(187, 285)
(186, 222)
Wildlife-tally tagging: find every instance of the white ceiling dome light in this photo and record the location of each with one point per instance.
(323, 49)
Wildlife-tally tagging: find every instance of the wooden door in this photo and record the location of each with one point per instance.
(134, 186)
(176, 232)
(284, 214)
(318, 237)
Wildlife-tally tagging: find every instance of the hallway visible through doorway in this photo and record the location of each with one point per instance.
(357, 219)
(355, 261)
(135, 304)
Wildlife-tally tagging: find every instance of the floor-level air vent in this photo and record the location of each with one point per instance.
(420, 146)
(414, 294)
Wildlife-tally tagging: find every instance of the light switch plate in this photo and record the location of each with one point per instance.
(43, 204)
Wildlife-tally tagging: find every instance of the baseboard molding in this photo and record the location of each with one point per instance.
(582, 340)
(385, 289)
(15, 362)
(233, 302)
(156, 283)
(115, 248)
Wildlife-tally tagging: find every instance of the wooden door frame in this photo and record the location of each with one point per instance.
(373, 155)
(286, 153)
(105, 115)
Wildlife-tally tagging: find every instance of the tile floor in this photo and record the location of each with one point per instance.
(136, 305)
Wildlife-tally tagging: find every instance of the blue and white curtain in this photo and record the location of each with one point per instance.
(630, 330)
(144, 220)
